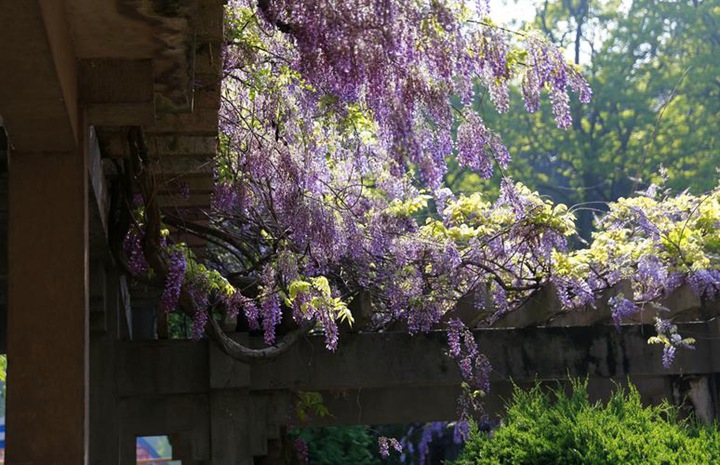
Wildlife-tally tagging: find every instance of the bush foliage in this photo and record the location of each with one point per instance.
(544, 427)
(337, 445)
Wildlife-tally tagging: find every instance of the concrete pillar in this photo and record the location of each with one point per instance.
(230, 427)
(47, 421)
(104, 418)
(702, 400)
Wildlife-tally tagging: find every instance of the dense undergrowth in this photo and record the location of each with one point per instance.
(552, 427)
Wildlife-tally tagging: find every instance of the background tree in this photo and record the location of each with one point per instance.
(653, 67)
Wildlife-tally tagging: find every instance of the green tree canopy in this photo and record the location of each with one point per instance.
(654, 71)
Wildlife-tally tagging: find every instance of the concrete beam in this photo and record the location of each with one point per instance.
(162, 367)
(387, 406)
(230, 428)
(166, 415)
(121, 114)
(110, 80)
(240, 422)
(38, 77)
(396, 360)
(541, 306)
(103, 405)
(99, 196)
(210, 21)
(175, 146)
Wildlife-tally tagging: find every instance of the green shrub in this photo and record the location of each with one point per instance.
(554, 428)
(340, 445)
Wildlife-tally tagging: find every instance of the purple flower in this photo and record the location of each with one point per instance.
(455, 326)
(499, 296)
(461, 432)
(705, 283)
(301, 450)
(200, 319)
(132, 246)
(547, 67)
(668, 355)
(173, 281)
(622, 308)
(271, 316)
(663, 326)
(653, 275)
(384, 443)
(184, 190)
(225, 198)
(561, 107)
(472, 139)
(429, 429)
(252, 312)
(644, 223)
(510, 196)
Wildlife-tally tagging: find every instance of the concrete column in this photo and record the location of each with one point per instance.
(230, 427)
(104, 418)
(47, 420)
(702, 400)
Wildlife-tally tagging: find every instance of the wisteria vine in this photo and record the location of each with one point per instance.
(337, 122)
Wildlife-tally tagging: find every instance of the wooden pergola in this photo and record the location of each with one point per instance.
(87, 371)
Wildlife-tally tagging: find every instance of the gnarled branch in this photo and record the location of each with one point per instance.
(143, 171)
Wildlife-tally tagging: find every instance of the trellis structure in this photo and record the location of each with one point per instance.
(87, 373)
(225, 411)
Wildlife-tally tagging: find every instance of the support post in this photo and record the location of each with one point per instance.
(104, 417)
(230, 428)
(47, 308)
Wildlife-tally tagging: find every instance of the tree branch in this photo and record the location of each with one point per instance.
(142, 167)
(246, 354)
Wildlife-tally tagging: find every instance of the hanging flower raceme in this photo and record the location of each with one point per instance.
(173, 281)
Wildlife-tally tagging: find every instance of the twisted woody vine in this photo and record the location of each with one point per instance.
(337, 121)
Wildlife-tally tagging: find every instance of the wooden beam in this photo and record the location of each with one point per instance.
(154, 416)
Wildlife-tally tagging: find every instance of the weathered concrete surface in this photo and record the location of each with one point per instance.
(382, 360)
(38, 77)
(385, 378)
(103, 407)
(439, 403)
(48, 308)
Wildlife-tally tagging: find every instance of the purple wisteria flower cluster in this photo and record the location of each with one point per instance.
(667, 335)
(474, 368)
(402, 61)
(133, 249)
(385, 443)
(336, 126)
(173, 281)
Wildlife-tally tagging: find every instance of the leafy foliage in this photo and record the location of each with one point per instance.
(654, 73)
(335, 445)
(336, 122)
(556, 428)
